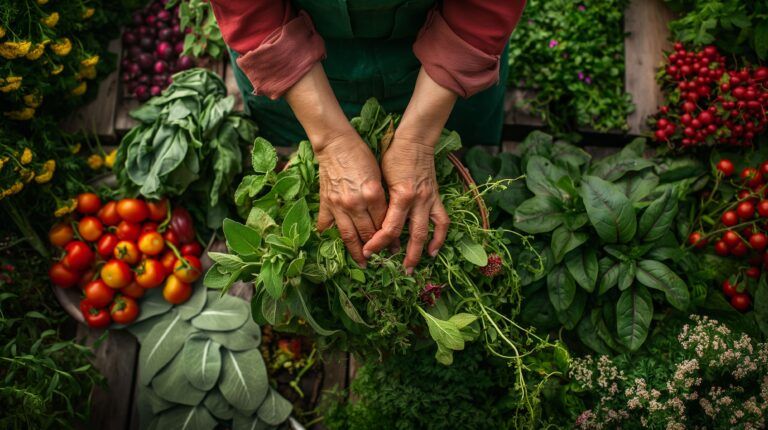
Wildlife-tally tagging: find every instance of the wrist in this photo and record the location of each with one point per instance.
(341, 138)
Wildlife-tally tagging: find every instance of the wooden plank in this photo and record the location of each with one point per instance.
(646, 22)
(98, 116)
(123, 121)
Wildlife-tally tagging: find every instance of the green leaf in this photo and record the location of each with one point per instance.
(186, 418)
(610, 274)
(297, 297)
(260, 220)
(443, 355)
(172, 384)
(629, 159)
(229, 262)
(222, 314)
(162, 343)
(587, 332)
(275, 409)
(638, 186)
(761, 39)
(561, 288)
(264, 156)
(445, 333)
(349, 308)
(296, 266)
(216, 279)
(609, 210)
(297, 218)
(539, 214)
(761, 305)
(564, 241)
(583, 267)
(271, 277)
(218, 406)
(634, 311)
(473, 252)
(241, 239)
(195, 304)
(152, 304)
(541, 175)
(462, 320)
(658, 218)
(243, 379)
(658, 276)
(627, 271)
(242, 422)
(570, 317)
(201, 359)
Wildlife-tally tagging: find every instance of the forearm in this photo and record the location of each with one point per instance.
(427, 112)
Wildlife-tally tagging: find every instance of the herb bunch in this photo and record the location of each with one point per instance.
(204, 36)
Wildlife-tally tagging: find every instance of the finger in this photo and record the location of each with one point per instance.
(350, 237)
(394, 248)
(391, 227)
(364, 225)
(441, 221)
(324, 218)
(373, 194)
(418, 232)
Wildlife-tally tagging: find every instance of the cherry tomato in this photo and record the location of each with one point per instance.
(751, 176)
(721, 248)
(696, 240)
(128, 231)
(106, 245)
(739, 250)
(762, 208)
(88, 203)
(188, 269)
(63, 277)
(758, 241)
(61, 234)
(158, 209)
(95, 318)
(116, 274)
(745, 210)
(149, 226)
(726, 166)
(740, 301)
(743, 194)
(151, 243)
(150, 273)
(108, 213)
(171, 237)
(764, 168)
(181, 224)
(729, 218)
(193, 248)
(729, 289)
(98, 293)
(133, 290)
(168, 260)
(90, 228)
(133, 210)
(731, 238)
(124, 310)
(86, 277)
(127, 252)
(753, 272)
(78, 256)
(176, 291)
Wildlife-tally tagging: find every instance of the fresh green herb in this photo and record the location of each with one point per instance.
(204, 37)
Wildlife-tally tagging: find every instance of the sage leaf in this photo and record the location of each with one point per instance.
(271, 277)
(201, 359)
(242, 422)
(264, 156)
(228, 262)
(565, 241)
(243, 379)
(634, 311)
(218, 406)
(235, 340)
(657, 219)
(162, 343)
(172, 384)
(657, 275)
(443, 332)
(195, 304)
(583, 267)
(241, 239)
(561, 288)
(473, 252)
(609, 210)
(298, 302)
(260, 220)
(186, 418)
(223, 314)
(275, 409)
(539, 214)
(152, 304)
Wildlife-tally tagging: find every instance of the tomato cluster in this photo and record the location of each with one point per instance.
(117, 250)
(709, 104)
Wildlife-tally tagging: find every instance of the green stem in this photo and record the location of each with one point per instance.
(26, 229)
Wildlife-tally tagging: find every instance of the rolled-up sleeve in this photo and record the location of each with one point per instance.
(460, 44)
(276, 45)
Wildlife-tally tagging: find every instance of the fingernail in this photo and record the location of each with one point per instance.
(367, 253)
(409, 271)
(434, 253)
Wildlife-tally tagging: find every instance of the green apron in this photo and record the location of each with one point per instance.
(369, 54)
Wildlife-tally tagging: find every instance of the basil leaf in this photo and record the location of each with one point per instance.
(658, 276)
(241, 239)
(634, 311)
(609, 210)
(443, 332)
(539, 214)
(264, 156)
(541, 175)
(570, 316)
(298, 218)
(610, 274)
(658, 217)
(561, 288)
(564, 241)
(271, 276)
(583, 266)
(473, 252)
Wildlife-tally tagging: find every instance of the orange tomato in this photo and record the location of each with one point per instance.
(133, 290)
(127, 252)
(116, 274)
(168, 260)
(150, 273)
(124, 310)
(151, 243)
(176, 291)
(133, 210)
(108, 213)
(61, 234)
(88, 203)
(90, 228)
(188, 269)
(158, 209)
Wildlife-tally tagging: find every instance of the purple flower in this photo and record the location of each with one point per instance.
(553, 43)
(588, 80)
(581, 76)
(582, 8)
(431, 293)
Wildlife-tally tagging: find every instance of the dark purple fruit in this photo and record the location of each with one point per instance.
(178, 48)
(137, 18)
(184, 62)
(129, 39)
(143, 79)
(155, 91)
(141, 92)
(145, 61)
(133, 69)
(150, 20)
(160, 67)
(165, 34)
(134, 52)
(163, 15)
(164, 50)
(146, 43)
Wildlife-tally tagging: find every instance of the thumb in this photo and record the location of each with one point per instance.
(324, 218)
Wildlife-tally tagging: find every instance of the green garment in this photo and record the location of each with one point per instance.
(369, 54)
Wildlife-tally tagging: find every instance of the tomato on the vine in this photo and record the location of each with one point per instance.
(133, 210)
(741, 301)
(752, 176)
(752, 272)
(106, 245)
(127, 251)
(158, 209)
(721, 248)
(61, 234)
(731, 238)
(150, 273)
(762, 208)
(729, 218)
(171, 237)
(98, 293)
(78, 256)
(90, 228)
(729, 289)
(740, 249)
(696, 240)
(108, 213)
(86, 277)
(745, 210)
(88, 203)
(193, 248)
(63, 277)
(758, 241)
(151, 243)
(188, 269)
(128, 230)
(176, 291)
(116, 274)
(726, 166)
(94, 317)
(168, 260)
(124, 310)
(764, 168)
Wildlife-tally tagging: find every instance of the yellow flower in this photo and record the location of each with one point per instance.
(88, 12)
(12, 83)
(33, 100)
(21, 115)
(11, 50)
(74, 149)
(90, 61)
(62, 47)
(80, 89)
(26, 156)
(27, 175)
(57, 69)
(42, 2)
(15, 188)
(51, 20)
(46, 174)
(87, 72)
(2, 164)
(109, 160)
(36, 52)
(68, 207)
(2, 32)
(95, 162)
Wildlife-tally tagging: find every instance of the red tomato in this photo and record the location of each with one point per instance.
(116, 274)
(127, 252)
(696, 240)
(88, 203)
(98, 293)
(721, 248)
(128, 231)
(752, 176)
(132, 210)
(106, 245)
(63, 277)
(176, 291)
(108, 213)
(78, 256)
(745, 210)
(739, 250)
(134, 290)
(150, 273)
(61, 234)
(740, 301)
(762, 208)
(753, 272)
(188, 269)
(149, 226)
(764, 168)
(743, 194)
(151, 243)
(758, 241)
(95, 318)
(729, 289)
(193, 248)
(731, 238)
(124, 310)
(171, 237)
(168, 260)
(90, 228)
(726, 166)
(158, 209)
(729, 218)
